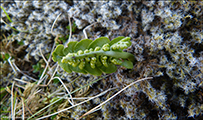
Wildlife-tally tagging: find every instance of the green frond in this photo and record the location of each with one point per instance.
(94, 57)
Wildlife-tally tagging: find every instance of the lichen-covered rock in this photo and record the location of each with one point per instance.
(167, 44)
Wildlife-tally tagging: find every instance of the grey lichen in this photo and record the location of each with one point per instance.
(166, 41)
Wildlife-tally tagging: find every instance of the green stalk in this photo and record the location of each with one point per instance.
(115, 54)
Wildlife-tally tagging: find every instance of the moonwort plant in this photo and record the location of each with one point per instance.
(94, 57)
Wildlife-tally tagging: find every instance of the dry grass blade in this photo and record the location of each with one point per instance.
(66, 96)
(10, 63)
(21, 80)
(69, 39)
(75, 105)
(12, 104)
(87, 28)
(71, 102)
(114, 96)
(23, 108)
(54, 23)
(14, 67)
(47, 65)
(51, 77)
(14, 109)
(47, 62)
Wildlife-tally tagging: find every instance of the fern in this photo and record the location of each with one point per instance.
(94, 57)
